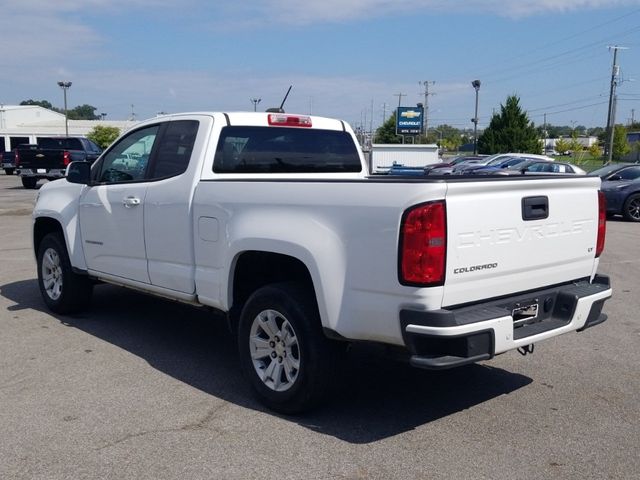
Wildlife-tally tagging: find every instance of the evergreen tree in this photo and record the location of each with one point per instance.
(386, 133)
(620, 145)
(510, 131)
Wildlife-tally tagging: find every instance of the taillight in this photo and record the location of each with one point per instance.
(602, 223)
(66, 158)
(283, 120)
(423, 245)
(16, 159)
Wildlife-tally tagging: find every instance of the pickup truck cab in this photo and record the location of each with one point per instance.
(273, 219)
(50, 157)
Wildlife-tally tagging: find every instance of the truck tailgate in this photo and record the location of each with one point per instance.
(512, 236)
(41, 159)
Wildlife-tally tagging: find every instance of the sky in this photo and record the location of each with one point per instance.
(344, 58)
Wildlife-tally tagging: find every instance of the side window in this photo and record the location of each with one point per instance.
(128, 159)
(89, 146)
(174, 149)
(630, 173)
(536, 167)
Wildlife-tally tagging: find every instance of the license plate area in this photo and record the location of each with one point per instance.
(41, 170)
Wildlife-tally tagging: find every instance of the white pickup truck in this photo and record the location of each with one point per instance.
(274, 219)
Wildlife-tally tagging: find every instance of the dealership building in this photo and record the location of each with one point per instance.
(21, 124)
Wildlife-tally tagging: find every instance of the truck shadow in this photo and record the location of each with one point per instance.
(375, 398)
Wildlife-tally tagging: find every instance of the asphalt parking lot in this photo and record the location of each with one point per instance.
(143, 388)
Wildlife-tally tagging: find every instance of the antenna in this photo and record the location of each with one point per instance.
(285, 98)
(281, 108)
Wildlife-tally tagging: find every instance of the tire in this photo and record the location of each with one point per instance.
(631, 209)
(29, 182)
(284, 354)
(62, 290)
(8, 171)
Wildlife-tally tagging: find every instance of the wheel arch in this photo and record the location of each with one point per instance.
(253, 269)
(43, 226)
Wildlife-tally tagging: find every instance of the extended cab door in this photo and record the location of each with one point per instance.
(112, 210)
(168, 220)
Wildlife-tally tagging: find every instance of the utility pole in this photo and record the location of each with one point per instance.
(544, 132)
(633, 114)
(611, 116)
(399, 95)
(371, 125)
(426, 94)
(384, 112)
(133, 113)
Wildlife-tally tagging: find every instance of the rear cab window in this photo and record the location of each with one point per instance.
(252, 149)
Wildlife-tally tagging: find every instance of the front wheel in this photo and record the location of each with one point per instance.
(8, 171)
(284, 353)
(29, 182)
(631, 209)
(63, 290)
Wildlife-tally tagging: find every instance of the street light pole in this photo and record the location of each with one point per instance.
(255, 102)
(476, 85)
(65, 86)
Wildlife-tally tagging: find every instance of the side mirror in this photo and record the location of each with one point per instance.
(79, 172)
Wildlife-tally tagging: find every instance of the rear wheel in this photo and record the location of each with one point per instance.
(8, 171)
(284, 353)
(29, 182)
(631, 209)
(63, 290)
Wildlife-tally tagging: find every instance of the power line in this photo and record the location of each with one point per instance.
(563, 104)
(569, 37)
(493, 72)
(570, 109)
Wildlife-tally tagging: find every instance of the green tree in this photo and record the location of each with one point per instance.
(103, 136)
(574, 143)
(386, 133)
(510, 131)
(595, 150)
(562, 146)
(41, 103)
(83, 112)
(620, 145)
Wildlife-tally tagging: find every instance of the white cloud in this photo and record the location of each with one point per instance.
(320, 11)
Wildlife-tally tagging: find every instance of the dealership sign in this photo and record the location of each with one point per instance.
(409, 120)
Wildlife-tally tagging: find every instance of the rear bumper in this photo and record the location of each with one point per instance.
(38, 173)
(449, 338)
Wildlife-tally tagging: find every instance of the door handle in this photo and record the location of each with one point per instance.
(129, 202)
(535, 208)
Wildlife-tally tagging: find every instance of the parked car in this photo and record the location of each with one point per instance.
(528, 166)
(445, 168)
(552, 167)
(496, 160)
(621, 187)
(8, 162)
